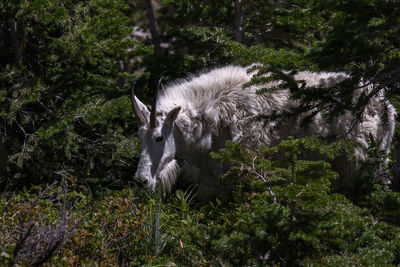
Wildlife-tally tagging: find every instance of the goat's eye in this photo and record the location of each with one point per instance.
(159, 139)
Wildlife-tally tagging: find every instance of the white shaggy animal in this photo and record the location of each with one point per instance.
(197, 115)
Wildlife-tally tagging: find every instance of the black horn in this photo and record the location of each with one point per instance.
(153, 114)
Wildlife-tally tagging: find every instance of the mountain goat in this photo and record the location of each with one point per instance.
(197, 115)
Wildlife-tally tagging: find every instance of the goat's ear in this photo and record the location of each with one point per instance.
(145, 111)
(172, 115)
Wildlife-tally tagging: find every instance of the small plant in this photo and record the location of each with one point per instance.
(39, 235)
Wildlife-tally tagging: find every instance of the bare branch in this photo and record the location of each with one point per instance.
(40, 239)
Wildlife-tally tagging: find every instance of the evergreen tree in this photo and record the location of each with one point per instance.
(60, 106)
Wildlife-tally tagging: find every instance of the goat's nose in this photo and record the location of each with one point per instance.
(141, 179)
(144, 181)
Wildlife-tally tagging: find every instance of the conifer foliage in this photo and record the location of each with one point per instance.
(59, 103)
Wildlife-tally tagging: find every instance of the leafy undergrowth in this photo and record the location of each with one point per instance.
(283, 213)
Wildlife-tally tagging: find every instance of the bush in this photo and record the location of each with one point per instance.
(69, 227)
(283, 213)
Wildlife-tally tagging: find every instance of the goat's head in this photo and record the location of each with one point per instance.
(157, 162)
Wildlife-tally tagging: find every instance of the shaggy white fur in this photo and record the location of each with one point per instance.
(167, 176)
(215, 108)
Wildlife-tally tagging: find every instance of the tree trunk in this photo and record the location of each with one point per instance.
(121, 81)
(239, 21)
(153, 26)
(396, 169)
(16, 43)
(276, 4)
(3, 158)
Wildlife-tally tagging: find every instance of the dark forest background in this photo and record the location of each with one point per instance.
(69, 147)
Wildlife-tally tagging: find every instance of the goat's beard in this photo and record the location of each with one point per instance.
(167, 176)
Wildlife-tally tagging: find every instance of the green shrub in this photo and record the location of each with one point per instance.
(283, 213)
